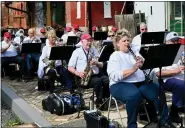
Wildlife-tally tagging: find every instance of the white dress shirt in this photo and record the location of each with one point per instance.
(10, 52)
(136, 43)
(45, 53)
(118, 62)
(174, 66)
(78, 60)
(31, 40)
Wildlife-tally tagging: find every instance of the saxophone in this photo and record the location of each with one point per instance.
(88, 70)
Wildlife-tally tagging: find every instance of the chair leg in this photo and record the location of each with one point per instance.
(118, 111)
(144, 106)
(110, 99)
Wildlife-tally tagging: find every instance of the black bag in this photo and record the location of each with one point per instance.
(62, 104)
(43, 85)
(94, 119)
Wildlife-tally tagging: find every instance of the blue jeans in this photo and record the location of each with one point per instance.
(132, 95)
(176, 86)
(30, 57)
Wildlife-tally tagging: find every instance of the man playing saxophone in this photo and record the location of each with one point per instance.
(52, 68)
(79, 61)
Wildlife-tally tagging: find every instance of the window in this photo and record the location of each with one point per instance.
(78, 11)
(176, 9)
(107, 9)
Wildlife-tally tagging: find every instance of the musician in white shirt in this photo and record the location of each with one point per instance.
(31, 56)
(9, 54)
(136, 42)
(127, 81)
(173, 80)
(18, 40)
(79, 61)
(52, 73)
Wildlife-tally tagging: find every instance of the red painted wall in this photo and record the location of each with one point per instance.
(74, 20)
(98, 13)
(13, 18)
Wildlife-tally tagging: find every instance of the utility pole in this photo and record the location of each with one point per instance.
(89, 17)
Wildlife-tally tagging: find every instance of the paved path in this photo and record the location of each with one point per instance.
(34, 98)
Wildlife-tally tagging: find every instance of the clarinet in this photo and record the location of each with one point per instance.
(147, 79)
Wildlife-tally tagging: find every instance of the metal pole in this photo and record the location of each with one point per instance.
(89, 17)
(181, 20)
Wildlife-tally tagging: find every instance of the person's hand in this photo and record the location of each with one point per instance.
(140, 59)
(93, 62)
(80, 74)
(137, 65)
(180, 69)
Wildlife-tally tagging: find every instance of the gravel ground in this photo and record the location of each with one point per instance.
(6, 114)
(77, 123)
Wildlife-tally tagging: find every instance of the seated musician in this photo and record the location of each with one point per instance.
(18, 40)
(46, 67)
(65, 36)
(173, 80)
(31, 56)
(127, 82)
(81, 59)
(9, 54)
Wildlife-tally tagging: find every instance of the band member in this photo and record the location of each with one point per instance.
(46, 67)
(173, 80)
(127, 82)
(110, 35)
(43, 33)
(19, 39)
(84, 58)
(9, 54)
(136, 42)
(65, 36)
(31, 56)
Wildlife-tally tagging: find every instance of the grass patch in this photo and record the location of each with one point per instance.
(14, 122)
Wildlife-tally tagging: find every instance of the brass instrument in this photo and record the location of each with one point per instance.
(50, 65)
(88, 70)
(147, 79)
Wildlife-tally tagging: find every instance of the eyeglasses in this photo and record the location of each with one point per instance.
(111, 36)
(144, 29)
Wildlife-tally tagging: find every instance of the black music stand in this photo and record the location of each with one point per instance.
(106, 51)
(31, 48)
(158, 57)
(107, 42)
(100, 35)
(61, 52)
(43, 40)
(153, 38)
(72, 40)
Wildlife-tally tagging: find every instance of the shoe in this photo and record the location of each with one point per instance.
(173, 115)
(166, 124)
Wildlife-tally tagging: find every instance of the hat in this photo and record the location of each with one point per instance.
(86, 37)
(68, 29)
(114, 29)
(76, 27)
(21, 31)
(94, 28)
(172, 35)
(7, 35)
(42, 30)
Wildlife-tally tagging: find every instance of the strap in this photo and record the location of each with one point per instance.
(86, 54)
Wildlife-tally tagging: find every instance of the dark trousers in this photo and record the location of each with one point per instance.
(100, 83)
(30, 57)
(17, 59)
(63, 72)
(132, 95)
(176, 86)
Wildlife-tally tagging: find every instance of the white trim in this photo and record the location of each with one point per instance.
(107, 9)
(78, 10)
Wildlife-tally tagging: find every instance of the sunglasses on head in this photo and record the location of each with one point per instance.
(144, 29)
(111, 36)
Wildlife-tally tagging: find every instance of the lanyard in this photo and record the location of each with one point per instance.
(86, 54)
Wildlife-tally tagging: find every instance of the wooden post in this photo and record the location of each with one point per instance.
(48, 13)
